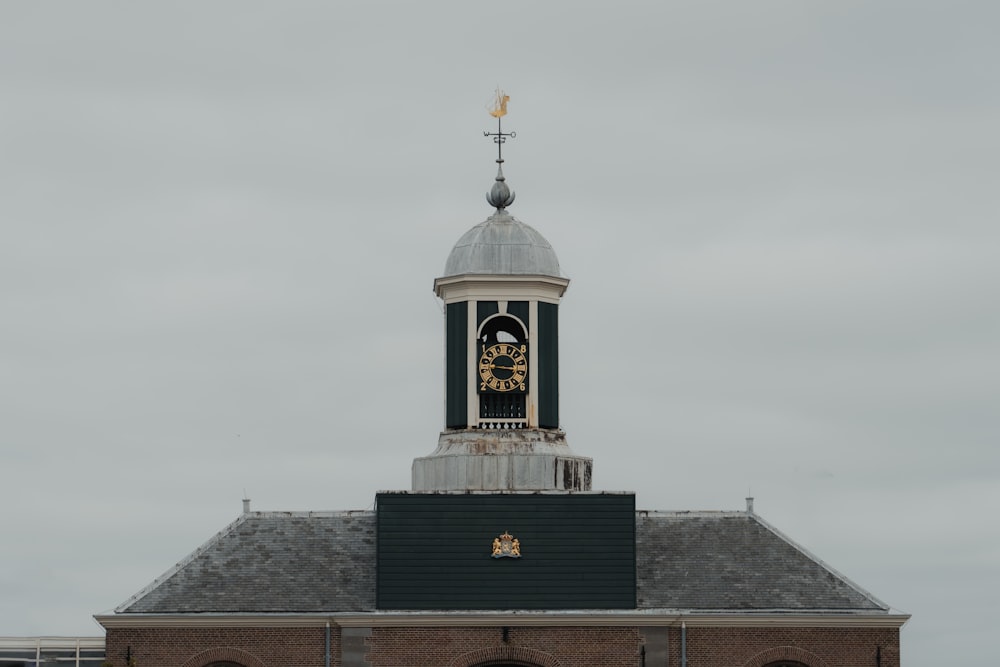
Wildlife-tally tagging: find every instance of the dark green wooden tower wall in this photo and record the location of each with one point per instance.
(434, 551)
(548, 365)
(484, 309)
(458, 372)
(456, 365)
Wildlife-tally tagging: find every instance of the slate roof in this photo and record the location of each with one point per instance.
(272, 562)
(734, 561)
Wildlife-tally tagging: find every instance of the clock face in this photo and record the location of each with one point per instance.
(503, 367)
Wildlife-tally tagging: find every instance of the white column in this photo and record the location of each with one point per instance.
(473, 364)
(532, 363)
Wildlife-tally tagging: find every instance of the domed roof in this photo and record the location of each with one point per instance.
(502, 245)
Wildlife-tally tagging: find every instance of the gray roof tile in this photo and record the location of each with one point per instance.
(733, 561)
(273, 562)
(269, 562)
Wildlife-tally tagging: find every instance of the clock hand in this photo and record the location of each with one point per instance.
(506, 368)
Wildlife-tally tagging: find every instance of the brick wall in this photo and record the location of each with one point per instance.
(196, 647)
(545, 647)
(465, 647)
(816, 647)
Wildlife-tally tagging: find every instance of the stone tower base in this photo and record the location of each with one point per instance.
(502, 460)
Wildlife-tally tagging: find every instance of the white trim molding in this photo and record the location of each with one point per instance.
(642, 618)
(500, 288)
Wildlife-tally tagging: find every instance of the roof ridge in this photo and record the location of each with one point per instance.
(179, 565)
(819, 561)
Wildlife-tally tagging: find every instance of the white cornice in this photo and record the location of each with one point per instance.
(668, 618)
(213, 620)
(497, 288)
(643, 618)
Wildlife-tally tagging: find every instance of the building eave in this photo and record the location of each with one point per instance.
(416, 619)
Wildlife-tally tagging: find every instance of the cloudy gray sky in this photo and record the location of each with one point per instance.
(221, 222)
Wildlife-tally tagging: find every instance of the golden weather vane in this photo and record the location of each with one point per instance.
(499, 195)
(498, 109)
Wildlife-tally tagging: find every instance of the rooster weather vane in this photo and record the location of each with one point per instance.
(500, 195)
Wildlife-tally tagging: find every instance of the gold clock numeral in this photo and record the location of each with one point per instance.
(506, 360)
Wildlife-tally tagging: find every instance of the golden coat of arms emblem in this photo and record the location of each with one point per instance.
(506, 546)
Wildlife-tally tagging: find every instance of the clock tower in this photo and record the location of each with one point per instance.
(501, 290)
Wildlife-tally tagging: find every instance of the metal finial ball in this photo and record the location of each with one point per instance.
(500, 196)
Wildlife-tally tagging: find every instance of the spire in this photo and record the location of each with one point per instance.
(500, 195)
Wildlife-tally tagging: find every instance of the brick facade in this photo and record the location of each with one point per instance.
(196, 647)
(815, 647)
(468, 647)
(536, 646)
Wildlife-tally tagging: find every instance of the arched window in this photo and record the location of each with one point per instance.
(502, 372)
(505, 656)
(501, 328)
(224, 657)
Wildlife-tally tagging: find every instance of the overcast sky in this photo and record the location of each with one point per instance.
(221, 223)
